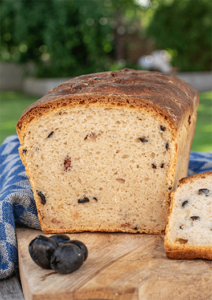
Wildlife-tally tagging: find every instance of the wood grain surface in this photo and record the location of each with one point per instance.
(119, 266)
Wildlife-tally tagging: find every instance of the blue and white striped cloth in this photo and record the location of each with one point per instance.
(17, 205)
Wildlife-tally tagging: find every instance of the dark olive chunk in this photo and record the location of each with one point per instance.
(167, 146)
(95, 198)
(51, 133)
(154, 166)
(162, 165)
(170, 188)
(24, 150)
(203, 192)
(195, 218)
(162, 128)
(43, 198)
(184, 203)
(84, 200)
(143, 140)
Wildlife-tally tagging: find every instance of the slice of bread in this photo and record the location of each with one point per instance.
(104, 151)
(189, 230)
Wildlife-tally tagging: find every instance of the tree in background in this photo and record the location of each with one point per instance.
(184, 28)
(73, 37)
(66, 38)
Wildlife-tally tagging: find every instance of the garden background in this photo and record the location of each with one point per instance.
(67, 38)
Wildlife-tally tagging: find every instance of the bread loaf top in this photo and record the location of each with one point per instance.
(194, 177)
(172, 98)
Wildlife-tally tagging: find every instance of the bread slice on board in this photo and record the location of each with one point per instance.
(104, 151)
(189, 230)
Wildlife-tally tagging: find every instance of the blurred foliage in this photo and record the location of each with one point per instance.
(184, 29)
(65, 38)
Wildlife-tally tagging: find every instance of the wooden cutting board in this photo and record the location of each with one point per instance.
(119, 266)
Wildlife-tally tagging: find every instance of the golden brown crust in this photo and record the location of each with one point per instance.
(49, 230)
(195, 177)
(188, 252)
(175, 251)
(172, 97)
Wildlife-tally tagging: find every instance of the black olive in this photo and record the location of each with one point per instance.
(43, 198)
(67, 258)
(60, 238)
(84, 200)
(194, 218)
(184, 203)
(41, 250)
(203, 192)
(51, 133)
(81, 245)
(162, 128)
(143, 140)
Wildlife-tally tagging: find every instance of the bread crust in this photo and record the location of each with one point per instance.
(186, 251)
(49, 230)
(167, 95)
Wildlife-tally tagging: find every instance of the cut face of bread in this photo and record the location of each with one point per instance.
(189, 231)
(108, 157)
(100, 169)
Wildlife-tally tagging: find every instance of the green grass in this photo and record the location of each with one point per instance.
(12, 104)
(203, 134)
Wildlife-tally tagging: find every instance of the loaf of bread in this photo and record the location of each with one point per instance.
(189, 230)
(104, 151)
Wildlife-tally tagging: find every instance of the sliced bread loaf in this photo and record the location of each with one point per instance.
(104, 151)
(189, 230)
